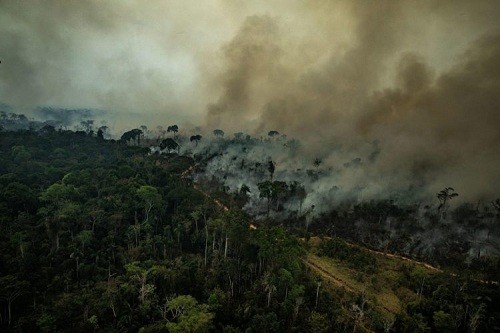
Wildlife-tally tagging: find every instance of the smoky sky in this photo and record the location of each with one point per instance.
(422, 78)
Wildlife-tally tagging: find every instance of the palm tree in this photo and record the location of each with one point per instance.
(444, 196)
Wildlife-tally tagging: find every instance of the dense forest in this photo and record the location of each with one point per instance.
(113, 235)
(250, 166)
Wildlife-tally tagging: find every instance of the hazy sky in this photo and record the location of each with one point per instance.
(422, 77)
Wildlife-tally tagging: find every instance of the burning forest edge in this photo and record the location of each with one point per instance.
(216, 198)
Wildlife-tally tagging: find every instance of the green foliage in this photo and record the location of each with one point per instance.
(99, 235)
(266, 323)
(169, 144)
(413, 323)
(46, 322)
(56, 193)
(354, 256)
(443, 322)
(218, 132)
(132, 135)
(318, 322)
(189, 315)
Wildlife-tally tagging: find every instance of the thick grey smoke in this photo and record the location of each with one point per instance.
(421, 78)
(252, 59)
(118, 56)
(436, 119)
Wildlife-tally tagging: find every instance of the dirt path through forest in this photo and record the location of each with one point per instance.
(186, 173)
(325, 274)
(336, 281)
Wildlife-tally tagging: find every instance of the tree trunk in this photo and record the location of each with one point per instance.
(206, 243)
(231, 285)
(149, 210)
(421, 288)
(112, 306)
(268, 206)
(9, 303)
(77, 267)
(225, 247)
(317, 294)
(136, 232)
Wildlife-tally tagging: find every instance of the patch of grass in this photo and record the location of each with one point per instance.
(361, 271)
(385, 298)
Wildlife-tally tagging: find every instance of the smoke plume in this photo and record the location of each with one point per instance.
(410, 88)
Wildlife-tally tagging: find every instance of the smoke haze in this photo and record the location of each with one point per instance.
(419, 78)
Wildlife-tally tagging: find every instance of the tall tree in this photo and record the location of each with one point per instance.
(273, 134)
(188, 315)
(196, 138)
(444, 196)
(266, 191)
(219, 133)
(101, 132)
(11, 288)
(150, 197)
(271, 167)
(134, 135)
(169, 144)
(174, 129)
